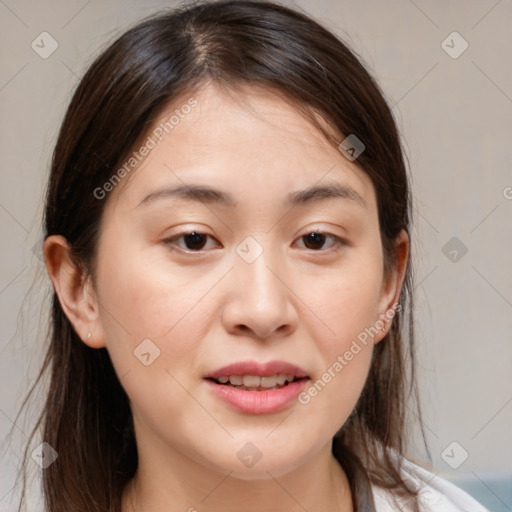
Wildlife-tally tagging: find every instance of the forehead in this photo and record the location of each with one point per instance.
(238, 140)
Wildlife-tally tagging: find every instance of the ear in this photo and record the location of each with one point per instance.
(392, 286)
(76, 294)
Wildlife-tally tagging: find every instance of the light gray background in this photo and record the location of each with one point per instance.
(455, 115)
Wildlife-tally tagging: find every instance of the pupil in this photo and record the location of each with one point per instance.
(316, 238)
(194, 239)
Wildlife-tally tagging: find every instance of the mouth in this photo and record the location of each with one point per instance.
(257, 388)
(255, 382)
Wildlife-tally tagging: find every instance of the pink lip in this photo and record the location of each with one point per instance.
(258, 402)
(260, 369)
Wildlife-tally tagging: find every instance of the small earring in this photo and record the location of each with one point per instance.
(88, 335)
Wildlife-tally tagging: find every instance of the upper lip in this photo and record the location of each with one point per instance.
(260, 369)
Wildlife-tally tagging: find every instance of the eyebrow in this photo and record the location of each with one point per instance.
(206, 194)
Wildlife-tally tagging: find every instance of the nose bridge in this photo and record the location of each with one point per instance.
(256, 258)
(260, 298)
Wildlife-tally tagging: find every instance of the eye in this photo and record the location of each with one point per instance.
(316, 240)
(194, 240)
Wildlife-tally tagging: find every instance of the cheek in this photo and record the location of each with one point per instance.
(347, 303)
(149, 298)
(344, 361)
(142, 301)
(153, 330)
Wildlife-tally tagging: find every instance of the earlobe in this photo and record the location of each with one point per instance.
(392, 285)
(76, 296)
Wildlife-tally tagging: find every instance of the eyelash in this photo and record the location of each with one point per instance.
(338, 242)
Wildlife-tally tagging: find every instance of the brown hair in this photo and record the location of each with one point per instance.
(232, 43)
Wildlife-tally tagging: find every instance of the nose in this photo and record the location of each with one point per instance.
(260, 300)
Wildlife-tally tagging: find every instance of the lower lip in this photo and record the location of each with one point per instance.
(258, 402)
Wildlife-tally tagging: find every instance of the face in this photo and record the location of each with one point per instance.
(258, 272)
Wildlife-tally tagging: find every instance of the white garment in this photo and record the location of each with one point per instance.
(436, 495)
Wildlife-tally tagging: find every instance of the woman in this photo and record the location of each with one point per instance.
(228, 238)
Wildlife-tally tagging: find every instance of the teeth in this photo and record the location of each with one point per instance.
(250, 381)
(280, 379)
(269, 382)
(254, 381)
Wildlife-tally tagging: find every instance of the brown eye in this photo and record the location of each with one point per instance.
(315, 240)
(194, 241)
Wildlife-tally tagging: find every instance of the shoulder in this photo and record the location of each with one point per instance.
(437, 494)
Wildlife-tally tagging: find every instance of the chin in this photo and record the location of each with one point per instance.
(252, 463)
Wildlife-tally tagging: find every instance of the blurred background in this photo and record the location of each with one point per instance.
(445, 69)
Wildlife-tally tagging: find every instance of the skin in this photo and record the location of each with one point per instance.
(206, 309)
